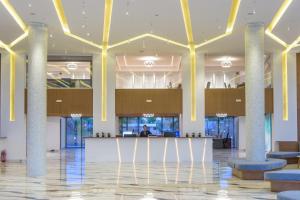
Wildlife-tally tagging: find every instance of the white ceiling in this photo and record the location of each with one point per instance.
(162, 17)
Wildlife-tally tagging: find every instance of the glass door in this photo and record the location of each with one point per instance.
(76, 130)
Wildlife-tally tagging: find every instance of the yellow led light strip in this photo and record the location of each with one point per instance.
(65, 26)
(12, 55)
(235, 5)
(105, 40)
(12, 88)
(283, 8)
(145, 36)
(189, 33)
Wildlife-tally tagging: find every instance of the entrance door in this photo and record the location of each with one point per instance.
(76, 130)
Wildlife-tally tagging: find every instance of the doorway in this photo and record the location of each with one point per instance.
(76, 130)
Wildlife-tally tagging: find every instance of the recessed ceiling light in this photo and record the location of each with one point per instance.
(83, 12)
(288, 28)
(127, 13)
(88, 34)
(82, 26)
(29, 5)
(253, 12)
(51, 36)
(72, 66)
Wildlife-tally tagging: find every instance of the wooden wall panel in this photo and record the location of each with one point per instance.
(232, 101)
(165, 102)
(132, 102)
(63, 102)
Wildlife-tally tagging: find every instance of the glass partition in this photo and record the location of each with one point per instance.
(156, 125)
(69, 74)
(76, 130)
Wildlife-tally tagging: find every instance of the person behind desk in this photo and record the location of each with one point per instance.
(145, 132)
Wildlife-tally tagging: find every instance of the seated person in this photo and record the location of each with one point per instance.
(145, 132)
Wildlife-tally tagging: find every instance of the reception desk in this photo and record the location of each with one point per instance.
(150, 149)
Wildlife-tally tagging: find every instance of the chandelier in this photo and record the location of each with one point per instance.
(148, 63)
(226, 63)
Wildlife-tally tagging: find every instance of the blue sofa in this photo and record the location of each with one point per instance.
(289, 195)
(284, 180)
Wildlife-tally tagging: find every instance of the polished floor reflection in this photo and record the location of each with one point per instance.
(69, 178)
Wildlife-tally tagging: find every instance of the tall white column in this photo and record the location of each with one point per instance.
(37, 100)
(189, 126)
(108, 126)
(255, 95)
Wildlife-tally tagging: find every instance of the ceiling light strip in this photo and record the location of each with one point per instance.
(19, 39)
(128, 41)
(233, 14)
(84, 40)
(12, 86)
(147, 35)
(61, 15)
(189, 32)
(14, 14)
(187, 20)
(230, 24)
(105, 40)
(277, 39)
(167, 40)
(65, 26)
(284, 6)
(212, 40)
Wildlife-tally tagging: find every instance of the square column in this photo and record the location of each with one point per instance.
(197, 126)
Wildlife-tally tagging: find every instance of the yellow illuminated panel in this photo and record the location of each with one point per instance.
(276, 38)
(187, 20)
(145, 36)
(65, 26)
(235, 5)
(279, 14)
(288, 47)
(232, 16)
(193, 84)
(12, 88)
(19, 39)
(14, 14)
(285, 86)
(105, 39)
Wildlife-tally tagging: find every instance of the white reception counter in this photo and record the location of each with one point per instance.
(150, 149)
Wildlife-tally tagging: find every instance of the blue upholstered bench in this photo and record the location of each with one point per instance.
(250, 170)
(283, 180)
(289, 195)
(290, 157)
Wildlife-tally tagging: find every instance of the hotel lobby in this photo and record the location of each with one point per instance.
(150, 100)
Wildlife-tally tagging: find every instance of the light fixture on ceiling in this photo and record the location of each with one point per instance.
(226, 63)
(72, 66)
(149, 63)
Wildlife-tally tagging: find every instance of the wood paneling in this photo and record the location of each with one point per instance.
(165, 102)
(63, 102)
(291, 146)
(279, 186)
(133, 102)
(232, 101)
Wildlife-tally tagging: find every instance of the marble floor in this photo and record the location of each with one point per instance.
(70, 178)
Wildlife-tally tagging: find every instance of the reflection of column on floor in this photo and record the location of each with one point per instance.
(255, 105)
